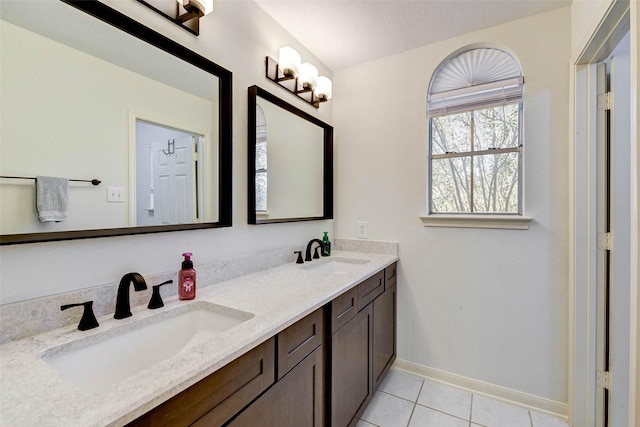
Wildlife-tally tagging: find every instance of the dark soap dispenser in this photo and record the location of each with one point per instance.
(326, 244)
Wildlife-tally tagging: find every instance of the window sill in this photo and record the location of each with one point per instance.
(508, 222)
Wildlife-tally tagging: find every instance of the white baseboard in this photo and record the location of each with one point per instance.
(559, 409)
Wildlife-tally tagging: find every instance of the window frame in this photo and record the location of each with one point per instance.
(471, 155)
(264, 171)
(469, 99)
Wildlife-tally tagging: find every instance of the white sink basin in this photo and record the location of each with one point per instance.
(336, 265)
(103, 359)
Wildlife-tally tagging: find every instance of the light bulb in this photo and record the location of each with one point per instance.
(289, 61)
(204, 6)
(308, 75)
(324, 90)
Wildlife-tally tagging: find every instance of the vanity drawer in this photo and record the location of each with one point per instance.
(390, 275)
(299, 340)
(344, 308)
(370, 289)
(213, 400)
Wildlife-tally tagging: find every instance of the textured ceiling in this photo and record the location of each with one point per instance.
(343, 33)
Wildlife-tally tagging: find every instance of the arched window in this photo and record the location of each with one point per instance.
(475, 134)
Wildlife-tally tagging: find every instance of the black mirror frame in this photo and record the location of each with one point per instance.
(136, 29)
(327, 193)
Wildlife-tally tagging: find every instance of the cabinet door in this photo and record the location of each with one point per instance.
(384, 334)
(297, 400)
(351, 382)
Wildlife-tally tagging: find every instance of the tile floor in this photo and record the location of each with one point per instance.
(406, 400)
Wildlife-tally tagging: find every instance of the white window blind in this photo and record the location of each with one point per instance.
(477, 78)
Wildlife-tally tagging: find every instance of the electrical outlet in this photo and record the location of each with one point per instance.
(363, 230)
(115, 194)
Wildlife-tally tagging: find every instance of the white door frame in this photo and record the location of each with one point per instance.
(621, 17)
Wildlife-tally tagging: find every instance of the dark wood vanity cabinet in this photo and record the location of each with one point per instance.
(216, 398)
(320, 371)
(297, 399)
(289, 367)
(384, 327)
(363, 345)
(351, 386)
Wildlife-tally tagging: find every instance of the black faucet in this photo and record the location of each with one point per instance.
(309, 245)
(88, 320)
(123, 309)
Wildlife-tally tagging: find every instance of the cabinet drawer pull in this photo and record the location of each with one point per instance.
(344, 308)
(298, 340)
(370, 289)
(348, 309)
(377, 288)
(305, 342)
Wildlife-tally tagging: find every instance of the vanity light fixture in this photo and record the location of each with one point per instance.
(300, 79)
(185, 13)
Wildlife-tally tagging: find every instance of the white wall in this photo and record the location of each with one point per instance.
(485, 304)
(585, 16)
(237, 35)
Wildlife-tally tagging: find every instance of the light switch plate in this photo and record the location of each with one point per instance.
(363, 230)
(115, 194)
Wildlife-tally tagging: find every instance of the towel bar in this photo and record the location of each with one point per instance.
(92, 181)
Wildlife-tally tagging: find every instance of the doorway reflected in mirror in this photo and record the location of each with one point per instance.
(170, 175)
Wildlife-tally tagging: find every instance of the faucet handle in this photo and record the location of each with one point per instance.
(315, 253)
(156, 299)
(299, 260)
(88, 320)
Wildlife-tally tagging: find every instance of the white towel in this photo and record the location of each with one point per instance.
(52, 198)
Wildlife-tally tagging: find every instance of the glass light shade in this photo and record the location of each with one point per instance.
(205, 6)
(308, 75)
(289, 59)
(324, 88)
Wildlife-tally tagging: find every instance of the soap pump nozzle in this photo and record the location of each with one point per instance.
(187, 263)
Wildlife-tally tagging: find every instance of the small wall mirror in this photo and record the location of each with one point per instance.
(109, 99)
(290, 162)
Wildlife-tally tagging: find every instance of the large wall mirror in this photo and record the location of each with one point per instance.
(108, 99)
(290, 162)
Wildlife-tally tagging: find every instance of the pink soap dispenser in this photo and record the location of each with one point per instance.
(187, 279)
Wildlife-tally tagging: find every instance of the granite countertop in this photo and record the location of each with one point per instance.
(33, 393)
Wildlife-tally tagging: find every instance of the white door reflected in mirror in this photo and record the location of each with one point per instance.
(169, 175)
